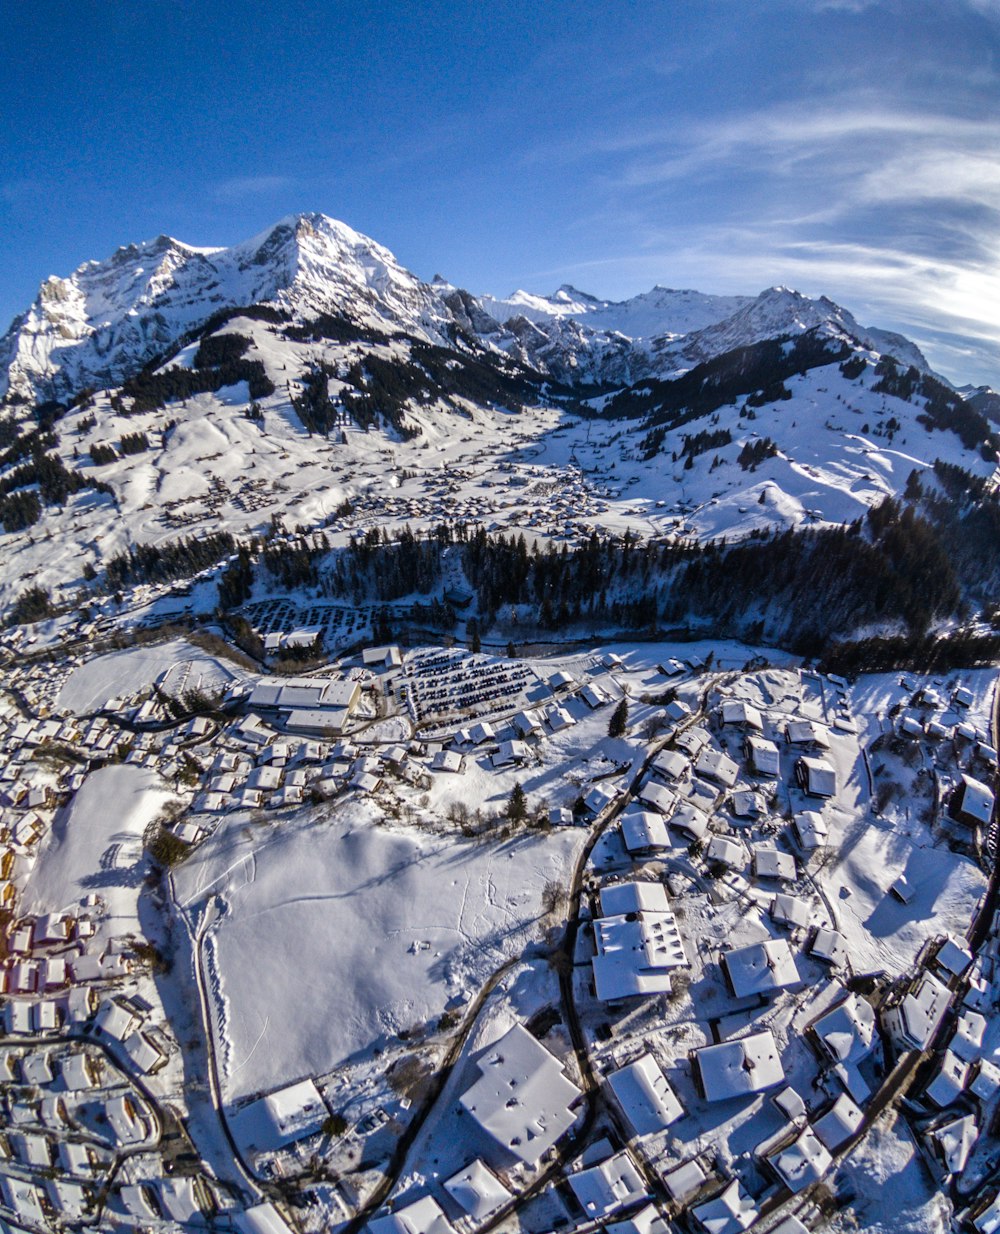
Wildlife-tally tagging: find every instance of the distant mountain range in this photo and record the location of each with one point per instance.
(105, 321)
(305, 379)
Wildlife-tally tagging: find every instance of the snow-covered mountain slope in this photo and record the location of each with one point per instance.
(105, 321)
(776, 312)
(406, 433)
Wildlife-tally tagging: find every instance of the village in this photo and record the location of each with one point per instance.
(715, 918)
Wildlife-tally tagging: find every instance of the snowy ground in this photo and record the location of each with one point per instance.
(95, 846)
(340, 931)
(181, 666)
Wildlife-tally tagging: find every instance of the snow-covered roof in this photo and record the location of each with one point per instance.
(760, 968)
(763, 756)
(768, 862)
(846, 1032)
(644, 831)
(830, 946)
(839, 1123)
(726, 850)
(736, 711)
(261, 1219)
(806, 733)
(423, 1216)
(949, 1081)
(671, 763)
(817, 777)
(477, 1190)
(289, 1114)
(635, 954)
(728, 1213)
(802, 1162)
(645, 1096)
(688, 818)
(922, 1010)
(717, 765)
(607, 1187)
(647, 1220)
(522, 1098)
(735, 1068)
(789, 910)
(657, 795)
(955, 1142)
(976, 800)
(811, 828)
(684, 1179)
(634, 897)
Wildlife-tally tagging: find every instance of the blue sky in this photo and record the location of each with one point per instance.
(843, 147)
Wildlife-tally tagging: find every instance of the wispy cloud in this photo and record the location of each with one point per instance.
(876, 202)
(239, 188)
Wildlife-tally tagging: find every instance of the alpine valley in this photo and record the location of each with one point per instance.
(478, 764)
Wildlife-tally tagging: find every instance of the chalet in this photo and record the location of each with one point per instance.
(801, 1162)
(657, 796)
(522, 1098)
(845, 1035)
(285, 1116)
(129, 1119)
(839, 1123)
(737, 1068)
(671, 764)
(971, 803)
(949, 1080)
(677, 710)
(528, 725)
(644, 832)
(260, 1219)
(738, 714)
(726, 851)
(811, 830)
(558, 719)
(967, 1042)
(768, 862)
(684, 1180)
(718, 766)
(647, 1220)
(644, 1094)
(637, 948)
(477, 1190)
(789, 910)
(807, 734)
(746, 803)
(760, 968)
(448, 760)
(953, 1142)
(689, 819)
(511, 753)
(762, 755)
(830, 946)
(731, 1211)
(594, 696)
(606, 1188)
(953, 959)
(598, 797)
(422, 1216)
(816, 777)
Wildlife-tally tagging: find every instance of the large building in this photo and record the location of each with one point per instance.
(522, 1098)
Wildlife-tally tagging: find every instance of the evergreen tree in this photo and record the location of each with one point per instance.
(517, 805)
(619, 720)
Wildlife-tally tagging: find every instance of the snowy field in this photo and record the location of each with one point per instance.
(338, 932)
(181, 665)
(95, 846)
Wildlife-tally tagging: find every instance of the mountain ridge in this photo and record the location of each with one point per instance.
(105, 321)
